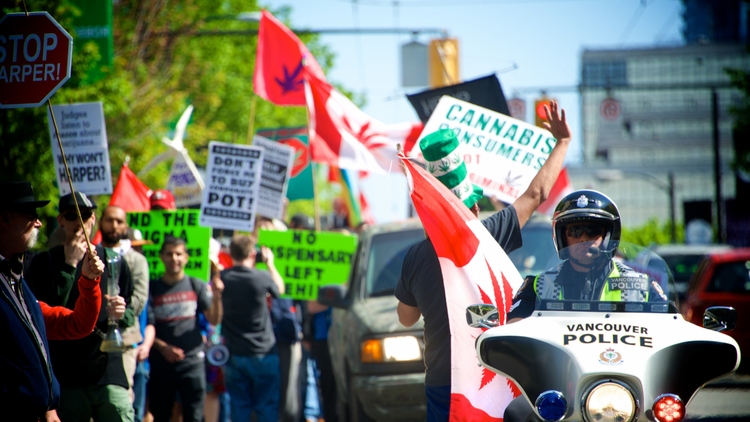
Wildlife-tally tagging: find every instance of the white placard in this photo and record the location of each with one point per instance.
(502, 154)
(185, 182)
(83, 134)
(233, 180)
(274, 179)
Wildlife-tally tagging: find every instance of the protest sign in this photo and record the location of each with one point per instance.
(274, 177)
(233, 174)
(309, 259)
(485, 92)
(185, 182)
(84, 137)
(157, 225)
(502, 154)
(300, 184)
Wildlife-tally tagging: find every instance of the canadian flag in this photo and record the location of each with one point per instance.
(279, 64)
(561, 188)
(475, 270)
(345, 137)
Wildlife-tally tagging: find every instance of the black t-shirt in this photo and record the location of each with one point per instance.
(246, 325)
(173, 311)
(421, 285)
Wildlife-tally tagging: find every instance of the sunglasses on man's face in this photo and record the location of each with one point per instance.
(591, 230)
(31, 215)
(71, 216)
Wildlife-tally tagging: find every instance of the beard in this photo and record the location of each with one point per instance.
(113, 237)
(32, 238)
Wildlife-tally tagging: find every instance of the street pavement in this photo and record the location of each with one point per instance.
(726, 400)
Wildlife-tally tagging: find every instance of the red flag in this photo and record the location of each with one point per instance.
(343, 136)
(367, 216)
(279, 63)
(475, 270)
(130, 193)
(561, 188)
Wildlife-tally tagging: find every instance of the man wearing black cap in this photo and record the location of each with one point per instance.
(28, 387)
(93, 383)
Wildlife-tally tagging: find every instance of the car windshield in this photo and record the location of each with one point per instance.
(585, 278)
(537, 249)
(731, 277)
(385, 258)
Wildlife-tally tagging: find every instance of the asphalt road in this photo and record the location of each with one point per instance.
(726, 400)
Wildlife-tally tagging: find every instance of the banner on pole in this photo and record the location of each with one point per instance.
(230, 200)
(502, 154)
(307, 260)
(157, 225)
(84, 138)
(274, 177)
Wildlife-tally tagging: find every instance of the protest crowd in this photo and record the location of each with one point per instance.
(198, 302)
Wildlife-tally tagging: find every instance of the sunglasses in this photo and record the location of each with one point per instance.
(591, 230)
(32, 215)
(71, 216)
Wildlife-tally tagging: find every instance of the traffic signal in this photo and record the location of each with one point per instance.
(442, 57)
(539, 113)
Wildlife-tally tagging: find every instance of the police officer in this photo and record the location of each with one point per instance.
(586, 231)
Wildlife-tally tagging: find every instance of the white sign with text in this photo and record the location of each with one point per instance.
(233, 179)
(83, 135)
(502, 154)
(274, 179)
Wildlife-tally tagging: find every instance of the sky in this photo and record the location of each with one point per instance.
(531, 45)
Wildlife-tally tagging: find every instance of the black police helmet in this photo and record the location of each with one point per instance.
(587, 206)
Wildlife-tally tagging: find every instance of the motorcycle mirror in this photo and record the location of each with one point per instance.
(720, 318)
(482, 316)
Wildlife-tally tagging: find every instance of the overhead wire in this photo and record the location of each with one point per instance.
(633, 21)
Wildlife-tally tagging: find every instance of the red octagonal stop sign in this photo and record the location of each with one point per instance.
(35, 58)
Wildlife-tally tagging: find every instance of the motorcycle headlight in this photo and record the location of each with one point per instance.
(391, 349)
(610, 402)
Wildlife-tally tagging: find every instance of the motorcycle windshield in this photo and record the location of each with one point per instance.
(587, 277)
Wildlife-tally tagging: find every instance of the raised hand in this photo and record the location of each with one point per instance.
(556, 122)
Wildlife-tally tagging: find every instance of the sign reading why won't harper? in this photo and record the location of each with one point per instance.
(157, 225)
(233, 180)
(307, 260)
(83, 135)
(502, 154)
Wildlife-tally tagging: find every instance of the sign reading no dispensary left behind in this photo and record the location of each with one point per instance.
(157, 225)
(309, 259)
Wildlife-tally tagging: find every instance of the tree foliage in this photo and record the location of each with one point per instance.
(652, 233)
(163, 62)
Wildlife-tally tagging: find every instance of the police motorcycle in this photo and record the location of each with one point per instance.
(623, 353)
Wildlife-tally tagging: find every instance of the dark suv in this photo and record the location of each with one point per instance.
(378, 363)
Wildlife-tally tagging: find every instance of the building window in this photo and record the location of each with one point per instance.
(605, 74)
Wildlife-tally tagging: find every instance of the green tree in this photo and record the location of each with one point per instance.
(162, 64)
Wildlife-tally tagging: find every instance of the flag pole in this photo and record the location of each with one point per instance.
(251, 123)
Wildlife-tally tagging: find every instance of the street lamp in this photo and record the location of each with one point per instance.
(606, 175)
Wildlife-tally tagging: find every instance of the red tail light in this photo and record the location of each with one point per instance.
(669, 408)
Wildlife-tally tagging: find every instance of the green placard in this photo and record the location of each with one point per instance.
(156, 225)
(308, 259)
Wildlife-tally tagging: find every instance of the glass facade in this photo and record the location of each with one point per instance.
(649, 111)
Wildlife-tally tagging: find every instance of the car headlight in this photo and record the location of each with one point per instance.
(610, 402)
(391, 349)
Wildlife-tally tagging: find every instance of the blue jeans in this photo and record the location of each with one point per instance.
(139, 390)
(253, 383)
(311, 410)
(438, 403)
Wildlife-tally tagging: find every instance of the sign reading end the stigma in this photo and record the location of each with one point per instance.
(157, 225)
(502, 154)
(307, 260)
